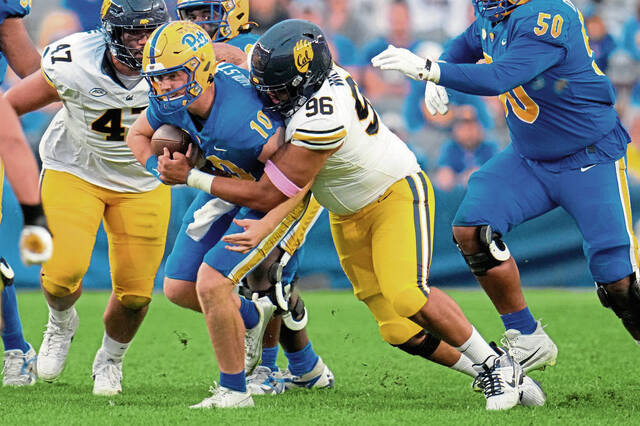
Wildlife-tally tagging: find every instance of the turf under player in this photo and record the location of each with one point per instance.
(380, 202)
(17, 160)
(567, 149)
(90, 176)
(227, 22)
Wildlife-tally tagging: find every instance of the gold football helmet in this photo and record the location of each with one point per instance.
(222, 19)
(179, 46)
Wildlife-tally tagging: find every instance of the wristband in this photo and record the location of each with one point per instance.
(152, 166)
(280, 180)
(34, 215)
(200, 180)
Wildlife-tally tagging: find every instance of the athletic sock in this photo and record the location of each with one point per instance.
(61, 317)
(113, 349)
(269, 357)
(303, 361)
(476, 349)
(236, 382)
(249, 313)
(465, 366)
(522, 321)
(12, 336)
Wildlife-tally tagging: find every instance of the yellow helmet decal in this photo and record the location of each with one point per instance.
(106, 4)
(303, 55)
(144, 21)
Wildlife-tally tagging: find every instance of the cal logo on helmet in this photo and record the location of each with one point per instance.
(303, 55)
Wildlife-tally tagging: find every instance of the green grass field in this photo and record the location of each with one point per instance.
(596, 379)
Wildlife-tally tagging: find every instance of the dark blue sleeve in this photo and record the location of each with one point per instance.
(13, 9)
(465, 48)
(525, 59)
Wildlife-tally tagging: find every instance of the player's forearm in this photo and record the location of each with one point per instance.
(22, 56)
(278, 213)
(31, 93)
(261, 195)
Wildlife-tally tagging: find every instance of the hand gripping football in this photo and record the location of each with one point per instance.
(176, 140)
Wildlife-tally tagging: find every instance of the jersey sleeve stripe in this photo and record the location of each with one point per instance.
(319, 132)
(317, 146)
(320, 137)
(46, 77)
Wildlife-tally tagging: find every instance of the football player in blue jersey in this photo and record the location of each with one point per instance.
(567, 149)
(227, 23)
(219, 109)
(36, 245)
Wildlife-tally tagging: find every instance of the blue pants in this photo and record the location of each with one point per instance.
(509, 190)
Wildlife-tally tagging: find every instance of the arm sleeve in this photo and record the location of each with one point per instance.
(13, 9)
(59, 74)
(525, 59)
(465, 48)
(320, 134)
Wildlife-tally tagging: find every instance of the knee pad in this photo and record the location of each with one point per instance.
(58, 290)
(296, 318)
(493, 251)
(6, 273)
(133, 302)
(425, 347)
(626, 305)
(399, 331)
(407, 302)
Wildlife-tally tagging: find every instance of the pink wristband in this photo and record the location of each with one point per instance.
(280, 181)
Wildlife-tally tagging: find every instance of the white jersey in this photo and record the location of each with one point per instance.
(86, 137)
(370, 158)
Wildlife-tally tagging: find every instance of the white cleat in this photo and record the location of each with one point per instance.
(107, 375)
(533, 351)
(265, 382)
(253, 337)
(225, 398)
(320, 377)
(19, 368)
(55, 347)
(500, 379)
(531, 394)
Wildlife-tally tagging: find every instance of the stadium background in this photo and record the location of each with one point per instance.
(548, 249)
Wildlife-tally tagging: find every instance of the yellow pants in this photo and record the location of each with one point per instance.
(385, 251)
(136, 226)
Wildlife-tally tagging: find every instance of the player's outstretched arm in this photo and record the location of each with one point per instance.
(232, 54)
(16, 46)
(31, 93)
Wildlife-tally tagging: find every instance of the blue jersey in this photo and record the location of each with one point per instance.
(243, 41)
(558, 104)
(234, 134)
(11, 9)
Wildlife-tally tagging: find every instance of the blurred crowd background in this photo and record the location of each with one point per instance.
(449, 147)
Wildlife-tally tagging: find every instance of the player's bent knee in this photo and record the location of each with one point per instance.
(488, 252)
(422, 344)
(59, 290)
(175, 290)
(398, 332)
(212, 284)
(133, 302)
(623, 298)
(407, 302)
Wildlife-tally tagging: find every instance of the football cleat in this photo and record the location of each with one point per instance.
(500, 378)
(253, 336)
(265, 382)
(533, 351)
(225, 398)
(320, 377)
(55, 347)
(19, 368)
(107, 375)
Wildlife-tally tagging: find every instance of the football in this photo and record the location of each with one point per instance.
(171, 137)
(176, 140)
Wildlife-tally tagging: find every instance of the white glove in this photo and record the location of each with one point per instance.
(436, 98)
(36, 245)
(410, 64)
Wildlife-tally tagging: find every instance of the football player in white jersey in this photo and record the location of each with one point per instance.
(90, 176)
(16, 157)
(380, 202)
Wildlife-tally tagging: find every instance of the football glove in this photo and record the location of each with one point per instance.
(436, 98)
(412, 65)
(36, 243)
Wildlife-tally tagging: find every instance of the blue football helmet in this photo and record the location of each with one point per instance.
(497, 10)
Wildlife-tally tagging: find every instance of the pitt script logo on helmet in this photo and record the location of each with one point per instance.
(303, 54)
(497, 10)
(179, 46)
